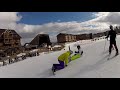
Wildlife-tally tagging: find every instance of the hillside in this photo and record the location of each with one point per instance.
(93, 63)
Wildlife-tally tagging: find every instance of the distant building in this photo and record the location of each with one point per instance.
(40, 40)
(83, 36)
(63, 37)
(99, 34)
(9, 38)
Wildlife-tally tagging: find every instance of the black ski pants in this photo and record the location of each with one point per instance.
(111, 45)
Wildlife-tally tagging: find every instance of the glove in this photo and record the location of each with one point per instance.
(106, 38)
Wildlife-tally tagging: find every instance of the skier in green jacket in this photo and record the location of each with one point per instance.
(63, 59)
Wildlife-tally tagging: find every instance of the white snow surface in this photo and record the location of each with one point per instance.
(57, 46)
(93, 63)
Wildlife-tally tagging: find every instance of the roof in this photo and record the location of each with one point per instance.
(37, 38)
(1, 31)
(63, 34)
(13, 31)
(42, 35)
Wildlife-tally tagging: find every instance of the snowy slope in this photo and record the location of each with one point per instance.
(93, 64)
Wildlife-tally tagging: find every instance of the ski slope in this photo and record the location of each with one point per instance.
(93, 63)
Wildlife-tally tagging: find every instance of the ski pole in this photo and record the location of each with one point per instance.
(104, 45)
(69, 48)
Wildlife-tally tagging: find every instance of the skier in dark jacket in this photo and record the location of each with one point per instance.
(112, 35)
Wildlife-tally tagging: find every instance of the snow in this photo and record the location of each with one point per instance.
(35, 50)
(56, 46)
(21, 54)
(93, 63)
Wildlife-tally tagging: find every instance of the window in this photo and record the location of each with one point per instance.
(6, 40)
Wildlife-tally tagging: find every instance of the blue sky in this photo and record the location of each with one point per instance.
(36, 18)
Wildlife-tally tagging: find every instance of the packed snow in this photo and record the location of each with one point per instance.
(57, 46)
(93, 63)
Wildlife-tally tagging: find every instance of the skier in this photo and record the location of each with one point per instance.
(112, 35)
(63, 59)
(79, 50)
(77, 54)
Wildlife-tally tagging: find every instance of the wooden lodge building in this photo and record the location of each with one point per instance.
(84, 36)
(9, 42)
(9, 38)
(63, 37)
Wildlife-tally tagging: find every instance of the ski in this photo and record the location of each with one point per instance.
(113, 57)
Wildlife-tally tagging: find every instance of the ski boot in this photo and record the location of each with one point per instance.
(116, 54)
(53, 69)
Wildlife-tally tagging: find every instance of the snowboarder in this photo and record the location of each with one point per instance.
(112, 35)
(63, 59)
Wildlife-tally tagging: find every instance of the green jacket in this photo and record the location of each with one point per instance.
(64, 57)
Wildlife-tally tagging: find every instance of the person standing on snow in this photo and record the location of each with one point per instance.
(112, 35)
(63, 59)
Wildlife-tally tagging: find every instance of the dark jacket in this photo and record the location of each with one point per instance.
(112, 35)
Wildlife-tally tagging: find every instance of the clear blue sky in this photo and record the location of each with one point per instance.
(36, 18)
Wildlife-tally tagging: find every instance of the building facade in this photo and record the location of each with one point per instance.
(9, 38)
(63, 37)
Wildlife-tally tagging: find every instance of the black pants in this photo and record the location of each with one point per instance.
(111, 45)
